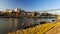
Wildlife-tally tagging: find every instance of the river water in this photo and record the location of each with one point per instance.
(12, 24)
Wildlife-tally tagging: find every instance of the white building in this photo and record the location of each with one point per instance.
(17, 10)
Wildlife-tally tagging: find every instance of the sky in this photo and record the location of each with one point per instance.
(36, 5)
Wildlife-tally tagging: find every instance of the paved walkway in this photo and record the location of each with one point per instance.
(55, 30)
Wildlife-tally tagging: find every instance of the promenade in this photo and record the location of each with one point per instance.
(55, 30)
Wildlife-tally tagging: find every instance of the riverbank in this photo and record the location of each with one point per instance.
(39, 29)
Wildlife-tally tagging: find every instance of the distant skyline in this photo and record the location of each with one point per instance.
(36, 5)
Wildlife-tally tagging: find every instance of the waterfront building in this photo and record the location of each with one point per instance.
(28, 14)
(1, 13)
(8, 12)
(17, 10)
(20, 12)
(35, 14)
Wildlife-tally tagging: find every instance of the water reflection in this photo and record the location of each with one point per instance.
(12, 24)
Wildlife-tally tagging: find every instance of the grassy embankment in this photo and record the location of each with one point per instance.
(39, 29)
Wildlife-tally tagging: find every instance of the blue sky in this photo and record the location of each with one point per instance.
(30, 4)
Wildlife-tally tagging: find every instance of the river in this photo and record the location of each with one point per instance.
(12, 24)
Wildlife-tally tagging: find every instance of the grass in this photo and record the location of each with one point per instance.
(39, 29)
